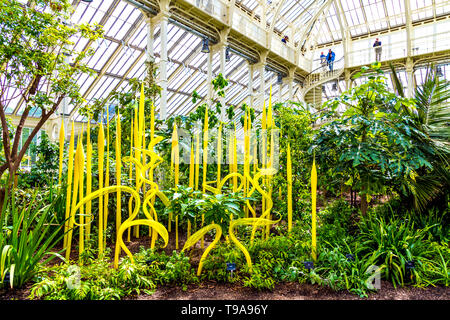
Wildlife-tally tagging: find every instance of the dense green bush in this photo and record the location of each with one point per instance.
(45, 170)
(27, 235)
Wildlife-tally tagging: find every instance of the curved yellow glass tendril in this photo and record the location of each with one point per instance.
(197, 236)
(247, 221)
(158, 227)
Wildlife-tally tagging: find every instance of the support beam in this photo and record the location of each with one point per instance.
(261, 65)
(408, 28)
(250, 84)
(290, 82)
(210, 91)
(163, 65)
(150, 35)
(410, 77)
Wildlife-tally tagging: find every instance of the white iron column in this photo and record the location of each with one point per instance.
(290, 82)
(262, 84)
(280, 88)
(222, 49)
(150, 35)
(209, 76)
(348, 80)
(163, 65)
(250, 84)
(408, 28)
(410, 77)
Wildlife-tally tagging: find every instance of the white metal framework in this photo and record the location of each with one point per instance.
(412, 32)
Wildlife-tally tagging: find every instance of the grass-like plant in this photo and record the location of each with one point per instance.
(27, 234)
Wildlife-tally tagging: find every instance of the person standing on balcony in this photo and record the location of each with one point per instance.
(323, 62)
(377, 46)
(330, 59)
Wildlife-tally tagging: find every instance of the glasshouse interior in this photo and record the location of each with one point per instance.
(224, 149)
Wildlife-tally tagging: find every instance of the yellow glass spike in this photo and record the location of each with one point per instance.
(118, 172)
(313, 202)
(289, 186)
(88, 179)
(69, 181)
(101, 151)
(62, 135)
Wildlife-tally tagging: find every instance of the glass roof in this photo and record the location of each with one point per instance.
(121, 55)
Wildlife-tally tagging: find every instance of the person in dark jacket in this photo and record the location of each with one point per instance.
(377, 46)
(330, 59)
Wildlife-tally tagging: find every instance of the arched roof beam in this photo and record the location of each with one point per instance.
(305, 31)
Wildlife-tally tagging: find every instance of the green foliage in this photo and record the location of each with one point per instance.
(296, 129)
(96, 280)
(99, 281)
(184, 202)
(221, 208)
(165, 269)
(335, 270)
(430, 186)
(27, 234)
(395, 242)
(45, 169)
(371, 142)
(192, 205)
(336, 223)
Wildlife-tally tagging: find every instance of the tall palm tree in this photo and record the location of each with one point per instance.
(431, 115)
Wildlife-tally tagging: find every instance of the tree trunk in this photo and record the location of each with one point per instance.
(364, 204)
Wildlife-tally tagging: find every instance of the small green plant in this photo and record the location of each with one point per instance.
(395, 242)
(165, 269)
(96, 280)
(26, 238)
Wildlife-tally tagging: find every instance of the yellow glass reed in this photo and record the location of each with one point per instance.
(289, 186)
(197, 160)
(81, 185)
(118, 172)
(88, 179)
(175, 156)
(175, 167)
(62, 136)
(235, 164)
(205, 164)
(76, 178)
(106, 210)
(69, 182)
(191, 168)
(101, 154)
(313, 215)
(137, 155)
(130, 175)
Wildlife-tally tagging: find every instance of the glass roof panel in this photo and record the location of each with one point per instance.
(121, 55)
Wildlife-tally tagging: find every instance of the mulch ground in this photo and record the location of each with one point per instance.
(210, 290)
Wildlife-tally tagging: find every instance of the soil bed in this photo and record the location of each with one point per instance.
(210, 290)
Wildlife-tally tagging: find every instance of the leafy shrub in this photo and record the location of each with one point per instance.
(396, 242)
(165, 269)
(97, 281)
(336, 223)
(45, 169)
(437, 270)
(26, 237)
(338, 271)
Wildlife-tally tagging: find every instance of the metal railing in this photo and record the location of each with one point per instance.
(323, 74)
